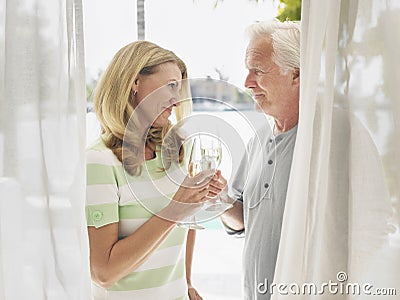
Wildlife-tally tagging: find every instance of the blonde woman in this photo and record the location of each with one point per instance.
(137, 252)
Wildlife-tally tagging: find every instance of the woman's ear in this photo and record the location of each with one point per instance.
(135, 85)
(133, 93)
(296, 76)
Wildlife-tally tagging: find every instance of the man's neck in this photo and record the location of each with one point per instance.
(285, 125)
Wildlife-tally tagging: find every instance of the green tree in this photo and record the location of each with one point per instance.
(289, 10)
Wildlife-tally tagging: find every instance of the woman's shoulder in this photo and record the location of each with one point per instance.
(97, 145)
(99, 153)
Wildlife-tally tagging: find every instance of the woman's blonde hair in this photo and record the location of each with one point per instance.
(114, 100)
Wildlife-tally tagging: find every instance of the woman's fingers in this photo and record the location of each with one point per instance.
(203, 194)
(199, 180)
(214, 190)
(205, 185)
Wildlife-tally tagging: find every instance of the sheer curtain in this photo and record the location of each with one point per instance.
(43, 241)
(342, 214)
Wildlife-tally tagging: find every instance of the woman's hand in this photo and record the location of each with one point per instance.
(194, 189)
(190, 196)
(193, 294)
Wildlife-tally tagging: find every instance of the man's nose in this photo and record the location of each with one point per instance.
(249, 81)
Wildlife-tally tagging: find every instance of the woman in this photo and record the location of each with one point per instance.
(137, 251)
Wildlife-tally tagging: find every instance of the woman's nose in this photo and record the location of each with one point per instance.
(174, 101)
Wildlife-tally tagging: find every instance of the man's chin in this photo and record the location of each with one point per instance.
(258, 108)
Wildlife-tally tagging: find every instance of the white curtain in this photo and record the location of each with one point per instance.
(43, 241)
(342, 214)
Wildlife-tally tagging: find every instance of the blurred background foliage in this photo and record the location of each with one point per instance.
(287, 10)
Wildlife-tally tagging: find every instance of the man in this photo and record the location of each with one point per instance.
(260, 185)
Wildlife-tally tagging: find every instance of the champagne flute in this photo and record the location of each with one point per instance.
(211, 150)
(195, 166)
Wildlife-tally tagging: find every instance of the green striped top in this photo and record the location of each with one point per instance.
(112, 195)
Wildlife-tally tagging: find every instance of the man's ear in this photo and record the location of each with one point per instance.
(296, 76)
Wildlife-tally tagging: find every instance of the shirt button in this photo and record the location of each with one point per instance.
(97, 215)
(270, 162)
(266, 185)
(270, 140)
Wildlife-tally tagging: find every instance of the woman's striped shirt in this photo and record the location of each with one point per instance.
(113, 195)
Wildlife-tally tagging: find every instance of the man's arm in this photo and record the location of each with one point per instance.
(233, 217)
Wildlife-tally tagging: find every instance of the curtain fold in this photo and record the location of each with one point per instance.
(43, 240)
(341, 221)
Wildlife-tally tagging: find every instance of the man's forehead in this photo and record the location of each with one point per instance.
(260, 41)
(258, 53)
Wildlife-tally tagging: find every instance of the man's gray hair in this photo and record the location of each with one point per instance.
(285, 41)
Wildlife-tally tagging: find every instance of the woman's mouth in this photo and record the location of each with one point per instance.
(168, 109)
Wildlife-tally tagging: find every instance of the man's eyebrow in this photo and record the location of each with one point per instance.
(255, 67)
(252, 66)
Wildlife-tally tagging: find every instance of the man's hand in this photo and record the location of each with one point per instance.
(219, 187)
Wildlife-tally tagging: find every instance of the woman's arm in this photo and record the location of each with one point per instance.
(111, 259)
(191, 237)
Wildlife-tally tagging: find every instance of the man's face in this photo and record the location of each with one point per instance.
(275, 94)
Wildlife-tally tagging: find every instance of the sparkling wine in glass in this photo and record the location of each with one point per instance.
(195, 166)
(211, 150)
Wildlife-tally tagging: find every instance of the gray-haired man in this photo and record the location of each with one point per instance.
(260, 184)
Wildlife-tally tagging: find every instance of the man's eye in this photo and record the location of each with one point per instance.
(258, 72)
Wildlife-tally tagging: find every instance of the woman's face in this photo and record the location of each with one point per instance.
(157, 94)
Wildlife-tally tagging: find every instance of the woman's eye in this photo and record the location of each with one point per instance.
(173, 85)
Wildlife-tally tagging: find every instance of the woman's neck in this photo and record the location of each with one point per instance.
(149, 151)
